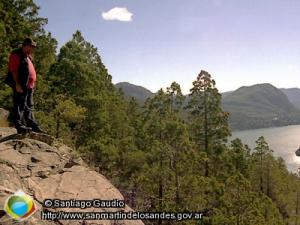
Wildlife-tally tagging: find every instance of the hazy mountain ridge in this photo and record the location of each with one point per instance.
(138, 92)
(293, 94)
(256, 106)
(260, 105)
(224, 94)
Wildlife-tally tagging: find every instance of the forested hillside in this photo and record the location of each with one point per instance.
(250, 107)
(160, 161)
(260, 105)
(138, 92)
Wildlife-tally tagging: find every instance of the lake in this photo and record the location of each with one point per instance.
(284, 141)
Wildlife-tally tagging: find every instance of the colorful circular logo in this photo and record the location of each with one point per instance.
(20, 206)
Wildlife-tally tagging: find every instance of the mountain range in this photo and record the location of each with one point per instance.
(250, 107)
(138, 92)
(293, 95)
(260, 105)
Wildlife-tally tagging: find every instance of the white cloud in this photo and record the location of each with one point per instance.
(120, 14)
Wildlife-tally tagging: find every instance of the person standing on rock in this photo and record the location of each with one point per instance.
(21, 78)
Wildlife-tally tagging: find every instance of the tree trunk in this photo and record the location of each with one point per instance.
(160, 193)
(57, 127)
(206, 136)
(239, 210)
(261, 171)
(268, 182)
(177, 186)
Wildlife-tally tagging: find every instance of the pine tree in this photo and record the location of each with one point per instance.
(178, 140)
(168, 151)
(156, 116)
(209, 124)
(239, 157)
(261, 152)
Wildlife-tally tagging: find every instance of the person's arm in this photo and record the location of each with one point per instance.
(14, 62)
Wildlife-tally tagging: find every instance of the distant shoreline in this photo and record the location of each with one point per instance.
(262, 128)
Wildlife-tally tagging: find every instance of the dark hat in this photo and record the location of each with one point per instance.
(29, 41)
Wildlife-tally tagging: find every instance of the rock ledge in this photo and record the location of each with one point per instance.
(47, 170)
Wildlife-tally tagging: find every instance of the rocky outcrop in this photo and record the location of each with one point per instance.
(4, 117)
(46, 169)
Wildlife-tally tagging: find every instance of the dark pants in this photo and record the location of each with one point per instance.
(23, 108)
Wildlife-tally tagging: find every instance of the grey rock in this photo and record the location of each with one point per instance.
(46, 169)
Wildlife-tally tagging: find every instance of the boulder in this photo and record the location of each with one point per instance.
(51, 171)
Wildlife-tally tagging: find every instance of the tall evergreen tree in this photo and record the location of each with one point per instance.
(168, 152)
(260, 155)
(209, 123)
(104, 135)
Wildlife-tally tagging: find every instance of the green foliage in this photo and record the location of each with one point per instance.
(208, 122)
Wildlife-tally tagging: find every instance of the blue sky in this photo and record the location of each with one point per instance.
(156, 42)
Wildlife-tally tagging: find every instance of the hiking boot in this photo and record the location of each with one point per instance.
(23, 129)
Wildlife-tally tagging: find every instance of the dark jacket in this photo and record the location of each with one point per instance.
(23, 72)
